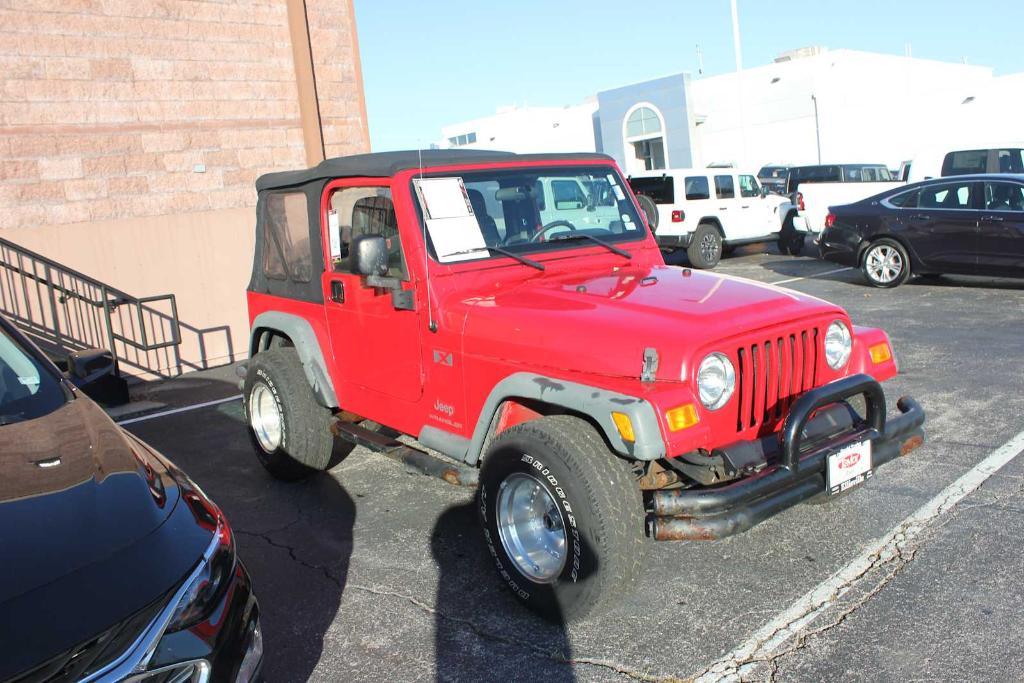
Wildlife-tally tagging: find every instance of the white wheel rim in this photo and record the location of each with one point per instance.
(265, 418)
(884, 264)
(531, 528)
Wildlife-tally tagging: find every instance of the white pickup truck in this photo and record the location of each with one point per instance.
(813, 189)
(708, 211)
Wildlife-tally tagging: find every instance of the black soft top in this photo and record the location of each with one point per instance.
(387, 164)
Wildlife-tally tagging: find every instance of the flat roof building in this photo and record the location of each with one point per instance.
(809, 104)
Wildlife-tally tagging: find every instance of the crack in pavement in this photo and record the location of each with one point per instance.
(906, 536)
(469, 624)
(554, 656)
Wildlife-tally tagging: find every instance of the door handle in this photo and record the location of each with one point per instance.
(745, 206)
(337, 291)
(921, 217)
(993, 219)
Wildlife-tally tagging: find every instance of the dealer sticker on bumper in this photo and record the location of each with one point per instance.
(848, 467)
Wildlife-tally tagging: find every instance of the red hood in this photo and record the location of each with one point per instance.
(600, 321)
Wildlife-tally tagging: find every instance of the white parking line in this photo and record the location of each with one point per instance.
(808, 277)
(183, 409)
(801, 613)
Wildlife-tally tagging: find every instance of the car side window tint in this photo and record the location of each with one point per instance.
(1010, 160)
(905, 200)
(749, 186)
(286, 250)
(946, 197)
(363, 211)
(1004, 197)
(724, 188)
(697, 188)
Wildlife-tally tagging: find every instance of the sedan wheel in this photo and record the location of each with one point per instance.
(886, 264)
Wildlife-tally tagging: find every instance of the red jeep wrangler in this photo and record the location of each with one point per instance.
(513, 313)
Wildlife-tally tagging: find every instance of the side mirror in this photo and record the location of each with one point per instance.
(95, 372)
(368, 255)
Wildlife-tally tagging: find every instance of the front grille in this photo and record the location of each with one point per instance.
(771, 374)
(96, 653)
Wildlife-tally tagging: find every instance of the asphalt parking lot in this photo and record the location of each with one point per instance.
(370, 572)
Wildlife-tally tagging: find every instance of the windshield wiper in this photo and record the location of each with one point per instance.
(503, 252)
(587, 236)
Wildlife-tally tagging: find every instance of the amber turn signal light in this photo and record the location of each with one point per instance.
(682, 417)
(880, 353)
(625, 426)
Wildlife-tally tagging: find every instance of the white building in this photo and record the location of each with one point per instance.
(527, 129)
(838, 105)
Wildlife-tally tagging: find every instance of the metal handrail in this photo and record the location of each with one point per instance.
(23, 270)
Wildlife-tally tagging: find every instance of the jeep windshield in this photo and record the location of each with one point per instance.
(472, 215)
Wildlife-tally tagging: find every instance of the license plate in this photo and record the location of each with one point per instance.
(849, 466)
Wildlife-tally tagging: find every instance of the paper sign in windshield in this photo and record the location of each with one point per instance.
(452, 225)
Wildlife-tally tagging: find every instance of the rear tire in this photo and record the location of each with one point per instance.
(574, 543)
(289, 430)
(790, 240)
(885, 263)
(705, 250)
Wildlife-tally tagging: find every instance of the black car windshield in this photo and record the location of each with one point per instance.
(27, 388)
(474, 215)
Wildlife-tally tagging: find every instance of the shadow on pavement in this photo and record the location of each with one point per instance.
(294, 538)
(525, 647)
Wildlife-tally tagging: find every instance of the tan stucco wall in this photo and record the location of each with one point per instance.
(203, 258)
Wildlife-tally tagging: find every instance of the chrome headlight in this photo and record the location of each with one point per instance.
(716, 380)
(838, 345)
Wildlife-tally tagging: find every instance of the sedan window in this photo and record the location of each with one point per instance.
(946, 197)
(1004, 197)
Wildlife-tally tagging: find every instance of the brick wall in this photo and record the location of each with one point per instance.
(109, 108)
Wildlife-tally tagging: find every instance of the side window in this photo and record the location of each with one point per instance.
(749, 186)
(286, 248)
(906, 200)
(965, 162)
(1011, 160)
(1004, 197)
(724, 188)
(567, 194)
(697, 188)
(364, 211)
(946, 197)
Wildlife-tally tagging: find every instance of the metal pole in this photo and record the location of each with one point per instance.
(817, 130)
(736, 36)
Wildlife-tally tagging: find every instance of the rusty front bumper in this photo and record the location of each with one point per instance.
(794, 473)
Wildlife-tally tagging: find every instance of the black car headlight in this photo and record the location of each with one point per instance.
(209, 580)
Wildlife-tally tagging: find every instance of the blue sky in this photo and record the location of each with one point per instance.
(431, 63)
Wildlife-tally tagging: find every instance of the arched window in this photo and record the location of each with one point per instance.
(644, 138)
(643, 121)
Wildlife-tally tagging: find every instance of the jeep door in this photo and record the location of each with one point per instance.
(726, 206)
(756, 211)
(376, 345)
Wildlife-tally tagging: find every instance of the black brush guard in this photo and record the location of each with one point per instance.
(712, 513)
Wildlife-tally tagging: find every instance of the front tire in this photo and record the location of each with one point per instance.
(562, 517)
(289, 430)
(885, 263)
(705, 250)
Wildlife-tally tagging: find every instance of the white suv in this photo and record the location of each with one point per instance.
(708, 210)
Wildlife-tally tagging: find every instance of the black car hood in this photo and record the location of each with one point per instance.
(91, 531)
(73, 491)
